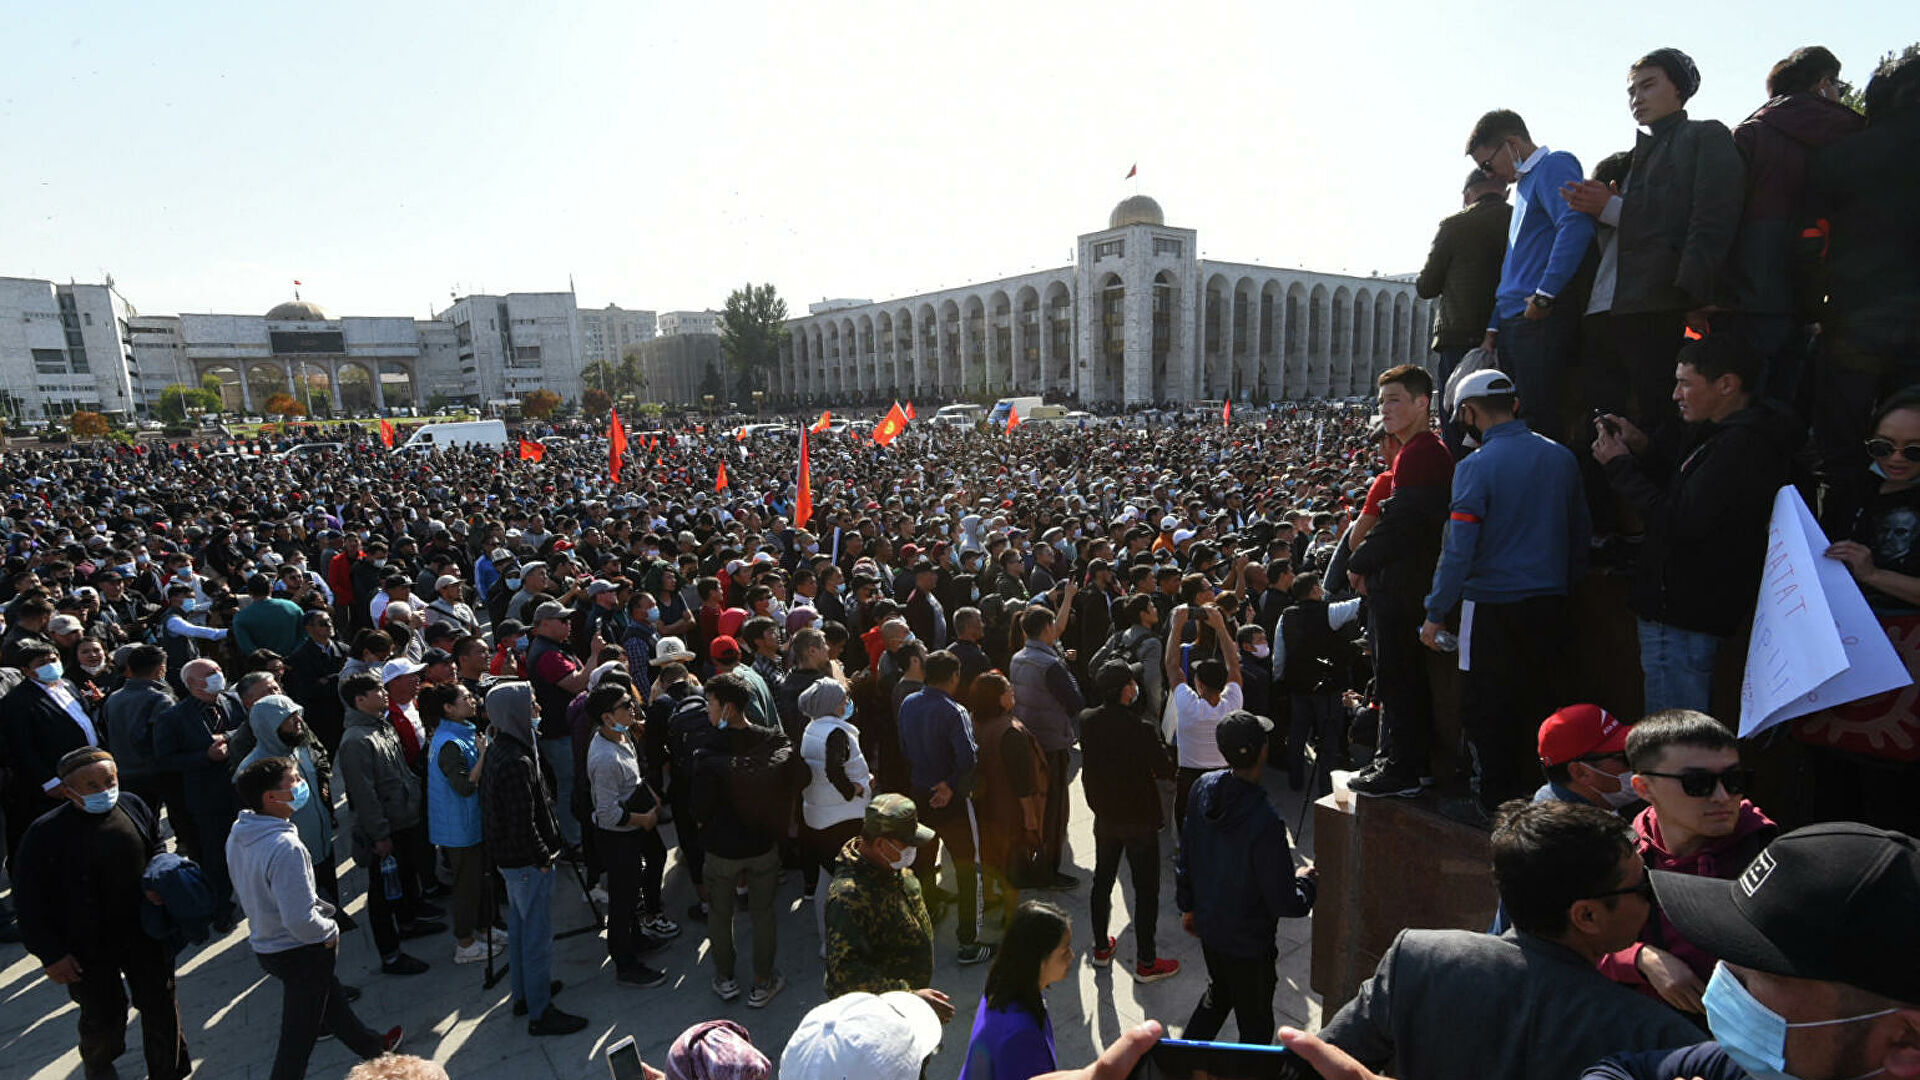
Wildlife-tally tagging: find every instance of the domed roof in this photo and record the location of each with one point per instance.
(298, 311)
(1136, 210)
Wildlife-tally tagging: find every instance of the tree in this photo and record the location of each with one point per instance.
(540, 404)
(175, 400)
(284, 404)
(1855, 95)
(629, 376)
(88, 425)
(752, 329)
(595, 401)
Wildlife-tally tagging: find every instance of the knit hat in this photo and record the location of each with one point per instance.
(1679, 68)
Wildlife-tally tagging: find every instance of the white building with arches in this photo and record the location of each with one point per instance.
(1138, 318)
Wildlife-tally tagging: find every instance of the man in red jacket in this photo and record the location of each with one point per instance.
(340, 579)
(1686, 765)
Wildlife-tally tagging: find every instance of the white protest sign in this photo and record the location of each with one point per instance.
(1815, 642)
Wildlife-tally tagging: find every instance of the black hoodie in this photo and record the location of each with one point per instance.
(1777, 143)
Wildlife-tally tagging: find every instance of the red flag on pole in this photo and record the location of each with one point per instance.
(910, 415)
(386, 433)
(1226, 414)
(819, 425)
(532, 451)
(720, 481)
(1013, 419)
(616, 445)
(890, 426)
(1131, 171)
(803, 500)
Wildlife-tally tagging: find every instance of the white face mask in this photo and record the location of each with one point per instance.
(1260, 651)
(1626, 796)
(905, 860)
(216, 682)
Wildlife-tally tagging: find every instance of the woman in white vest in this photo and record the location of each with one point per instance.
(839, 785)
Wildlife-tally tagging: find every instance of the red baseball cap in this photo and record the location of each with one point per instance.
(724, 648)
(1579, 731)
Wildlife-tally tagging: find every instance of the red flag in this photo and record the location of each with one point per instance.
(819, 425)
(720, 481)
(803, 501)
(1013, 419)
(910, 415)
(296, 281)
(616, 445)
(890, 426)
(532, 451)
(1226, 414)
(650, 442)
(1131, 171)
(386, 433)
(741, 434)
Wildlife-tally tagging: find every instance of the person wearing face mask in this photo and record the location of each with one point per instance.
(626, 818)
(180, 635)
(192, 740)
(839, 783)
(280, 731)
(879, 935)
(41, 720)
(1801, 990)
(742, 801)
(77, 885)
(293, 930)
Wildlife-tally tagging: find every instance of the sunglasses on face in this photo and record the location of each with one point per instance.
(1644, 890)
(1700, 783)
(1882, 449)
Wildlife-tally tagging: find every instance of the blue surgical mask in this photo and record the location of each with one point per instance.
(513, 583)
(520, 643)
(49, 672)
(301, 793)
(1754, 1036)
(99, 802)
(846, 711)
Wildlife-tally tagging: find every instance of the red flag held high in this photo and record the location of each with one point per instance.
(890, 426)
(819, 425)
(803, 500)
(720, 481)
(1226, 414)
(532, 451)
(910, 415)
(1130, 172)
(616, 445)
(1013, 419)
(386, 434)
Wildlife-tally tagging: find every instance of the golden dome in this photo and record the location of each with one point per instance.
(1136, 210)
(298, 311)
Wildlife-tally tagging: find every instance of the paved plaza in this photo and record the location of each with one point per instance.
(232, 1009)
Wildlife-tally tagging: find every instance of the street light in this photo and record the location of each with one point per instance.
(758, 398)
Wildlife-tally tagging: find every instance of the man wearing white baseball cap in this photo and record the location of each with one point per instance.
(871, 1036)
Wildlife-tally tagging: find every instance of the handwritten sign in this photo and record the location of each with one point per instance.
(1815, 642)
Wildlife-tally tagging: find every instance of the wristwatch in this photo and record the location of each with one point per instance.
(1541, 300)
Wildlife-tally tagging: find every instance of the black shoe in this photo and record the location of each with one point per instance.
(420, 928)
(433, 890)
(402, 964)
(350, 992)
(1385, 783)
(555, 1022)
(697, 912)
(553, 990)
(428, 911)
(1467, 811)
(639, 975)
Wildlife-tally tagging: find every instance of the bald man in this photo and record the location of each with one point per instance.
(193, 740)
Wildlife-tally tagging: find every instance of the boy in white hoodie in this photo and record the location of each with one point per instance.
(291, 929)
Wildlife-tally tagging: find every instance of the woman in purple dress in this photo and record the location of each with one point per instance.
(1012, 1038)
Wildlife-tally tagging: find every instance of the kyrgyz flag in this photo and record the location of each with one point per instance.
(720, 481)
(532, 451)
(890, 426)
(803, 500)
(910, 415)
(1226, 414)
(386, 433)
(1013, 419)
(616, 445)
(819, 425)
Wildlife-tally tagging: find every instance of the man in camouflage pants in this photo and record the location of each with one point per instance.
(879, 935)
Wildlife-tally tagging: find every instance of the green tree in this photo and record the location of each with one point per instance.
(753, 327)
(629, 376)
(1855, 96)
(176, 399)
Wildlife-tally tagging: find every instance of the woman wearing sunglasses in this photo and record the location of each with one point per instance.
(1865, 765)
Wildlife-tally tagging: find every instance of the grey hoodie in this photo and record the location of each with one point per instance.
(274, 880)
(510, 711)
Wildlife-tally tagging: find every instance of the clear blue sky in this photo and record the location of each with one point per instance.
(208, 153)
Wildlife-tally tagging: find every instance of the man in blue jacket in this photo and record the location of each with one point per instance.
(1516, 541)
(1533, 333)
(1233, 880)
(936, 737)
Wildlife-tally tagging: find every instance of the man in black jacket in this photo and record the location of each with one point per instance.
(1123, 760)
(1463, 270)
(1706, 494)
(742, 802)
(191, 741)
(131, 713)
(523, 839)
(40, 721)
(313, 678)
(77, 883)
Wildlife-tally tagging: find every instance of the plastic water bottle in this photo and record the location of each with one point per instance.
(1447, 641)
(390, 877)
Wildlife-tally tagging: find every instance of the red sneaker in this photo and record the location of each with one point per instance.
(390, 1042)
(1162, 968)
(1103, 954)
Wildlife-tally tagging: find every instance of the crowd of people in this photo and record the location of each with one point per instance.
(683, 675)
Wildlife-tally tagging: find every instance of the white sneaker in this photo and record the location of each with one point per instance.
(475, 953)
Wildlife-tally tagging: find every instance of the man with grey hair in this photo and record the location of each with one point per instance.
(192, 739)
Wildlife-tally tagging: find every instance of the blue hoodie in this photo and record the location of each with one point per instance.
(1235, 871)
(274, 879)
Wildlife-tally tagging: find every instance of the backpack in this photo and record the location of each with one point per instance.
(766, 784)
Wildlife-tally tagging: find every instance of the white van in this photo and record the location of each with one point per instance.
(490, 433)
(959, 415)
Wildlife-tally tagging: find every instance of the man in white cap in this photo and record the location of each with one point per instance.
(450, 605)
(873, 1036)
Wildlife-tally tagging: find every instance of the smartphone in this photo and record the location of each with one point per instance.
(1178, 1059)
(623, 1060)
(1600, 417)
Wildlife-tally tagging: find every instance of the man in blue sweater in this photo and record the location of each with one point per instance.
(936, 738)
(1516, 541)
(1534, 335)
(1233, 880)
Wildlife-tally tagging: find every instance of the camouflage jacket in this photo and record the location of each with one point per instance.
(879, 935)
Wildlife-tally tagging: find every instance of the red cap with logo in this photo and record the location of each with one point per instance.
(1579, 731)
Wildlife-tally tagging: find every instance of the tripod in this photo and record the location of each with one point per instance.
(492, 976)
(599, 921)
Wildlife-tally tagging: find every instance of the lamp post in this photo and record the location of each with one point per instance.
(759, 398)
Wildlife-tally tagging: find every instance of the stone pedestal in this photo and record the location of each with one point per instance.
(1387, 865)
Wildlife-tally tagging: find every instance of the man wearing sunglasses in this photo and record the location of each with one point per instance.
(1706, 494)
(1686, 765)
